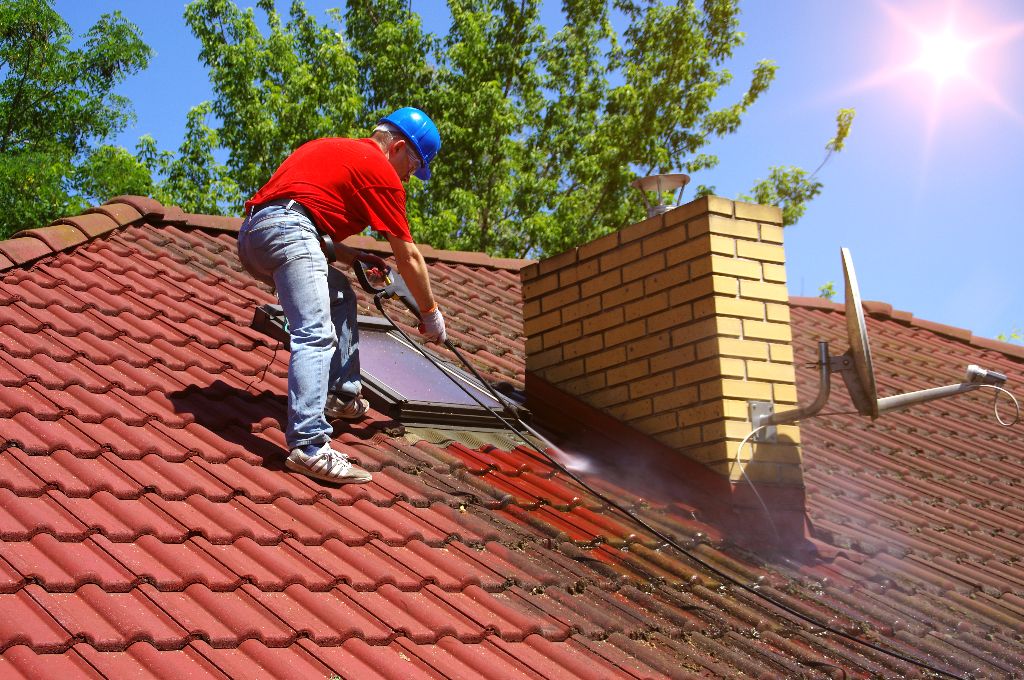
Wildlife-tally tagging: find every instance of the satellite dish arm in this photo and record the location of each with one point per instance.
(976, 377)
(761, 412)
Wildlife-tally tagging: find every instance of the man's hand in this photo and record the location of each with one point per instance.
(432, 326)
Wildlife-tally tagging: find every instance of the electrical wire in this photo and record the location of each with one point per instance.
(639, 520)
(995, 405)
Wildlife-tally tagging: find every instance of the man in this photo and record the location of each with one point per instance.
(337, 187)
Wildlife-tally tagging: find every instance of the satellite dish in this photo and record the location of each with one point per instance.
(862, 390)
(859, 374)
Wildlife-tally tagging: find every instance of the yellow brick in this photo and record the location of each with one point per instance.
(758, 213)
(541, 360)
(562, 334)
(759, 370)
(560, 298)
(694, 249)
(689, 291)
(777, 312)
(651, 385)
(631, 410)
(698, 372)
(669, 237)
(621, 256)
(749, 309)
(781, 353)
(540, 324)
(641, 229)
(699, 414)
(674, 316)
(743, 349)
(599, 284)
(754, 472)
(598, 246)
(715, 326)
(583, 308)
(606, 319)
(789, 434)
(643, 267)
(723, 245)
(607, 397)
(623, 294)
(585, 345)
(647, 307)
(732, 368)
(725, 285)
(556, 262)
(766, 330)
(756, 290)
(706, 453)
(675, 399)
(763, 452)
(726, 226)
(624, 333)
(733, 408)
(765, 252)
(673, 439)
(627, 372)
(731, 266)
(784, 394)
(776, 273)
(612, 357)
(667, 278)
(582, 271)
(673, 358)
(540, 286)
(566, 370)
(743, 389)
(585, 385)
(658, 423)
(648, 345)
(790, 475)
(771, 233)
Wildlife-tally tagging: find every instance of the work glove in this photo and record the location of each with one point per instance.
(376, 262)
(432, 326)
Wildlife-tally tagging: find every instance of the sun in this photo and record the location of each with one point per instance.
(944, 56)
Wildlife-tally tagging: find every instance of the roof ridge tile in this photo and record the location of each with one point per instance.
(884, 310)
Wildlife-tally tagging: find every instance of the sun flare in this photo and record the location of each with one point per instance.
(944, 56)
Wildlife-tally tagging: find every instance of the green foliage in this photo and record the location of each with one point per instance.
(55, 103)
(792, 188)
(192, 178)
(541, 133)
(1012, 336)
(274, 92)
(827, 290)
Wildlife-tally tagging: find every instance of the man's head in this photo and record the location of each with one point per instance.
(410, 140)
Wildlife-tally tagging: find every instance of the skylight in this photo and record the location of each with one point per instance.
(399, 381)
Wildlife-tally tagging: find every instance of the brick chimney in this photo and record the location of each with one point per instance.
(670, 326)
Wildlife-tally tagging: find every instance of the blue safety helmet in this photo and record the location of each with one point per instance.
(421, 133)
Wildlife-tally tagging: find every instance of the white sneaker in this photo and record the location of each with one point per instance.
(328, 465)
(346, 410)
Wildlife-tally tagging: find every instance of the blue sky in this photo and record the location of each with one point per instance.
(926, 194)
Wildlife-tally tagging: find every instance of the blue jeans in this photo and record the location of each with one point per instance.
(281, 248)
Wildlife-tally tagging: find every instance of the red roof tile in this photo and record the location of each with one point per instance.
(147, 527)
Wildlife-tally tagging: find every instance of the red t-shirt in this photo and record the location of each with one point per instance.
(347, 184)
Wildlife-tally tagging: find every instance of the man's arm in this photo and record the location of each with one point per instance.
(413, 269)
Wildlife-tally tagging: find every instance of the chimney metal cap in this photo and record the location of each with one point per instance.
(659, 184)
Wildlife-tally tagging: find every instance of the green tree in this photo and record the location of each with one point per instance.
(56, 105)
(542, 133)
